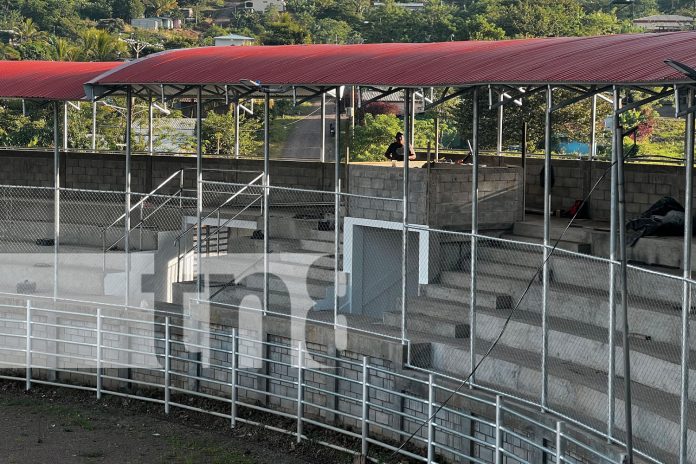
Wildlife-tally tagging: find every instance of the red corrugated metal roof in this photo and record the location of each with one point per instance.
(48, 80)
(620, 59)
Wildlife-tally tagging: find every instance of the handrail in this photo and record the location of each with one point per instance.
(226, 202)
(221, 225)
(146, 197)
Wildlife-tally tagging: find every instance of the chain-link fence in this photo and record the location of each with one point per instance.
(339, 263)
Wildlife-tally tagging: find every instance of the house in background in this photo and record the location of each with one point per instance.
(263, 5)
(233, 40)
(664, 23)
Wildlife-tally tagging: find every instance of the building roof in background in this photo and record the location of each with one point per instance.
(664, 18)
(234, 37)
(48, 80)
(613, 59)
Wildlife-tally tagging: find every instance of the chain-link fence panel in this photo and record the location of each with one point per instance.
(26, 240)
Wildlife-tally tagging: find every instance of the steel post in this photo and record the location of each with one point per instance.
(65, 126)
(547, 250)
(431, 421)
(474, 231)
(266, 197)
(499, 138)
(199, 190)
(167, 363)
(233, 404)
(593, 130)
(613, 226)
(404, 237)
(99, 353)
(300, 398)
(525, 130)
(498, 431)
(322, 147)
(27, 383)
(365, 400)
(559, 442)
(686, 295)
(127, 219)
(236, 129)
(150, 141)
(624, 290)
(94, 126)
(337, 206)
(56, 198)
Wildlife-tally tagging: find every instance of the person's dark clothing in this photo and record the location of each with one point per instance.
(395, 151)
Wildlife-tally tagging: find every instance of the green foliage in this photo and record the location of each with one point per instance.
(218, 134)
(17, 130)
(373, 137)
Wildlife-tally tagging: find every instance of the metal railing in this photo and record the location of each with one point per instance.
(331, 399)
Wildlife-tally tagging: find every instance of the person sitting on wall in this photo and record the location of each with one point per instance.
(395, 151)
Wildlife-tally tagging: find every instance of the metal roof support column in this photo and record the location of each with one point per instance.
(65, 126)
(236, 129)
(322, 148)
(624, 288)
(499, 140)
(613, 226)
(94, 125)
(150, 141)
(337, 204)
(56, 197)
(547, 251)
(266, 195)
(686, 297)
(404, 245)
(199, 189)
(474, 231)
(593, 130)
(127, 219)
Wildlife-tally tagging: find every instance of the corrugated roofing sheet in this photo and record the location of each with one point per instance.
(616, 59)
(48, 80)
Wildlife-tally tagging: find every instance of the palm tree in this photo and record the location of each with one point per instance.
(159, 7)
(27, 30)
(98, 45)
(62, 50)
(8, 52)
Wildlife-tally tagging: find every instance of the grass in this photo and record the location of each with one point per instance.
(70, 417)
(193, 452)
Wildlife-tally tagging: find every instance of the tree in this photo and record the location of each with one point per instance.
(98, 45)
(160, 7)
(328, 30)
(127, 9)
(62, 50)
(218, 134)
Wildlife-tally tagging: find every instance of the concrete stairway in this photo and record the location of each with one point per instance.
(438, 324)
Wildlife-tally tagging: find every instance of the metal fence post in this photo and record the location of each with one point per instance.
(127, 218)
(474, 240)
(613, 225)
(686, 296)
(167, 364)
(99, 354)
(299, 392)
(547, 251)
(404, 245)
(498, 432)
(431, 419)
(199, 191)
(28, 347)
(233, 408)
(559, 442)
(365, 401)
(337, 205)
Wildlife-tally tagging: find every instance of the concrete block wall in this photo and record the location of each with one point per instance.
(644, 184)
(443, 200)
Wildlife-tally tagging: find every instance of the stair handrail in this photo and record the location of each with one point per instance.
(225, 203)
(145, 198)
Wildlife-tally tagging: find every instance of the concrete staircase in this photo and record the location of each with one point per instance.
(438, 325)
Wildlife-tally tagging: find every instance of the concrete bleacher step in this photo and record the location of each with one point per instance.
(319, 246)
(426, 324)
(573, 389)
(459, 296)
(585, 248)
(279, 265)
(577, 234)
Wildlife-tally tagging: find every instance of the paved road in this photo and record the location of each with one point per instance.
(304, 139)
